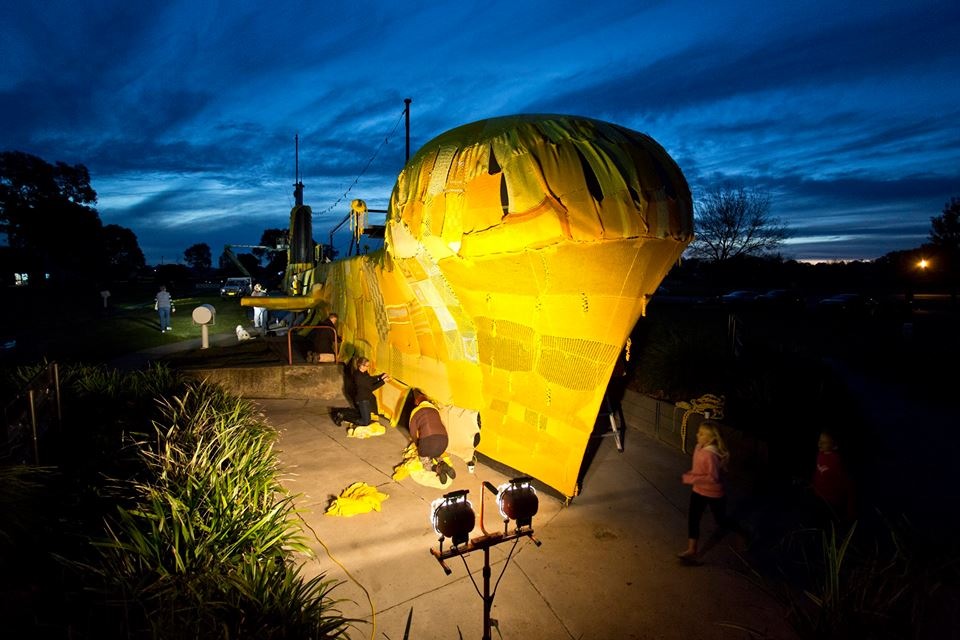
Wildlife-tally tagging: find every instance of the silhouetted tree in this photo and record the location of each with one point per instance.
(276, 238)
(198, 256)
(945, 237)
(275, 261)
(124, 257)
(48, 210)
(730, 223)
(945, 228)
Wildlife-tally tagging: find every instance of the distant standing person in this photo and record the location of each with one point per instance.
(259, 313)
(163, 304)
(710, 459)
(365, 403)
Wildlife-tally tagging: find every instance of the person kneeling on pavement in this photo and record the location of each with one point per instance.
(430, 436)
(365, 403)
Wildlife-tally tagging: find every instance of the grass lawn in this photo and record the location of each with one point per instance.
(88, 332)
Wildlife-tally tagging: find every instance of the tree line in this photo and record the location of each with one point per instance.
(48, 214)
(51, 224)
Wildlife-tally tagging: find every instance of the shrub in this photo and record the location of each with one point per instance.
(206, 547)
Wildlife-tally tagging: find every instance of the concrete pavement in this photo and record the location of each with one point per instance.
(606, 568)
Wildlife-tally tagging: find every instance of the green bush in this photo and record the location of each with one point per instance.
(177, 485)
(206, 548)
(875, 581)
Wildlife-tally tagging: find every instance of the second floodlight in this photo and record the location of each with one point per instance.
(517, 500)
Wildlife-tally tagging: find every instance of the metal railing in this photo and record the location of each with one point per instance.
(336, 340)
(36, 408)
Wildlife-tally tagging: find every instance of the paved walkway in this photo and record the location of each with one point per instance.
(606, 568)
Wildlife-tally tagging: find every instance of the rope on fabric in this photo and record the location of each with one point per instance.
(707, 405)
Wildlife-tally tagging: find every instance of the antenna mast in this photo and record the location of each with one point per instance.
(406, 112)
(298, 185)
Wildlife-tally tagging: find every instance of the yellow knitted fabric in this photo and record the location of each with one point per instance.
(357, 498)
(367, 431)
(411, 466)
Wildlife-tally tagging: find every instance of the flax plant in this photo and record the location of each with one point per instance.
(878, 583)
(207, 545)
(22, 491)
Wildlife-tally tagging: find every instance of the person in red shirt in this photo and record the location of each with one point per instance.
(830, 481)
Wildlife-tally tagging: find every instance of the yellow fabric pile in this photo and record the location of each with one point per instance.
(411, 466)
(366, 431)
(357, 498)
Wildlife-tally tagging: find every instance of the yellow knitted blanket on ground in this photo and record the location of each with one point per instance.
(411, 466)
(366, 431)
(357, 498)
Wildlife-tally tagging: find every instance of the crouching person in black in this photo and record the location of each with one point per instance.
(430, 436)
(365, 404)
(326, 340)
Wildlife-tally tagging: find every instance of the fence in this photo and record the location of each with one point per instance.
(663, 421)
(32, 416)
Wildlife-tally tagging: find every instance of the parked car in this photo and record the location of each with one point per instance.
(781, 299)
(236, 287)
(848, 304)
(742, 297)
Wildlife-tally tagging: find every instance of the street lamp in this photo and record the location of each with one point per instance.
(517, 500)
(914, 278)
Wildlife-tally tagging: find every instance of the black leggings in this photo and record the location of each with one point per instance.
(699, 504)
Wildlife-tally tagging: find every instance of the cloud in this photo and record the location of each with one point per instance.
(185, 113)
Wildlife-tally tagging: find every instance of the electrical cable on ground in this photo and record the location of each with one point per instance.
(373, 611)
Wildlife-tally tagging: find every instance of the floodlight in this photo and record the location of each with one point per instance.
(518, 501)
(452, 516)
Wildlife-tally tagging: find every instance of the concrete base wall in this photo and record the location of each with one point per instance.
(659, 419)
(302, 382)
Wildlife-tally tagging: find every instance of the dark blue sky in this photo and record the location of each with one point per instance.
(185, 112)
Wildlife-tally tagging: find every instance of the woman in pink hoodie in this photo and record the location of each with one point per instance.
(709, 459)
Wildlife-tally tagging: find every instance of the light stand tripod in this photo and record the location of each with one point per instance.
(488, 540)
